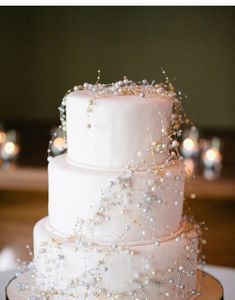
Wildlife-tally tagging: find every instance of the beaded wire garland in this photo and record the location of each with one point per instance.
(119, 194)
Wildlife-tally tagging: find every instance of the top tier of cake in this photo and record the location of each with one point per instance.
(111, 131)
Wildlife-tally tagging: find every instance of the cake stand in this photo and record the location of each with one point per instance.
(210, 288)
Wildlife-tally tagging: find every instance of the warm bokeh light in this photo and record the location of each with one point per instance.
(189, 147)
(9, 147)
(212, 154)
(189, 144)
(9, 150)
(212, 157)
(59, 143)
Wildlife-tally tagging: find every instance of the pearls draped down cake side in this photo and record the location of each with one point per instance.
(115, 228)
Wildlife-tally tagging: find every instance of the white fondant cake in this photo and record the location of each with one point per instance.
(117, 124)
(145, 207)
(164, 268)
(115, 228)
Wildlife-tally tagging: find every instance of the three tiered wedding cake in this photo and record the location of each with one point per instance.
(115, 228)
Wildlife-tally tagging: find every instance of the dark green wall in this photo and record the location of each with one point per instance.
(46, 50)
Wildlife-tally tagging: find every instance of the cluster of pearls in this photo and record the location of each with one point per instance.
(142, 88)
(117, 194)
(123, 196)
(128, 87)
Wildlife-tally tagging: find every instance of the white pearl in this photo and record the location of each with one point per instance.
(168, 173)
(159, 90)
(181, 268)
(147, 266)
(175, 143)
(126, 81)
(146, 281)
(107, 218)
(193, 196)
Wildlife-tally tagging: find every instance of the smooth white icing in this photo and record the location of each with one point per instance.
(121, 127)
(75, 193)
(119, 270)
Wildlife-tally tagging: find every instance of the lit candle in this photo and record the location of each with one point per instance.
(58, 145)
(212, 157)
(189, 147)
(9, 150)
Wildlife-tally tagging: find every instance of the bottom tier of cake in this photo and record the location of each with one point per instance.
(147, 270)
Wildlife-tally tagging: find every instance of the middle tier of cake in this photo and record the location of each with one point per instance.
(115, 206)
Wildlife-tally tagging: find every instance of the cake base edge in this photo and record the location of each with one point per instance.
(210, 287)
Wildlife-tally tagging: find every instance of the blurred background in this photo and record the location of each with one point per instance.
(47, 50)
